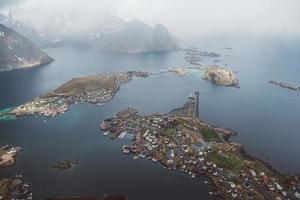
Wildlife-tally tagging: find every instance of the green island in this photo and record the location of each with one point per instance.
(179, 140)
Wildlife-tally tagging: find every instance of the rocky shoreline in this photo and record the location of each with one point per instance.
(285, 85)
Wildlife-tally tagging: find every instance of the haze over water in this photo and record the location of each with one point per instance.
(266, 117)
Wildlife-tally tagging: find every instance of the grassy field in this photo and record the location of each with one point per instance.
(210, 135)
(230, 161)
(169, 131)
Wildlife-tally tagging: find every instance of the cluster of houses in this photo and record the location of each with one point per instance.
(173, 143)
(94, 96)
(50, 106)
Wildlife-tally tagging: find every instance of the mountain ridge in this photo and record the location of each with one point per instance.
(17, 51)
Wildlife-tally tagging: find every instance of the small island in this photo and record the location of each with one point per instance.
(65, 164)
(285, 85)
(8, 155)
(221, 76)
(193, 55)
(179, 140)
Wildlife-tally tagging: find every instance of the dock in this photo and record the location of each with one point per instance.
(196, 109)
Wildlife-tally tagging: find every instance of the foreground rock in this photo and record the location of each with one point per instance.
(8, 155)
(180, 141)
(14, 188)
(16, 51)
(221, 76)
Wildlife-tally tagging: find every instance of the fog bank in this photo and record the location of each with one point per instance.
(184, 18)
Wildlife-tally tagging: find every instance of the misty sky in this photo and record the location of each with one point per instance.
(184, 18)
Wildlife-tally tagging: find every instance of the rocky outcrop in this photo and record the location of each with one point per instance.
(16, 51)
(221, 76)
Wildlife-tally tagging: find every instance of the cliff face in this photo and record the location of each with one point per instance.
(16, 51)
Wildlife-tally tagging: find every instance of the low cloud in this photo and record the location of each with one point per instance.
(184, 18)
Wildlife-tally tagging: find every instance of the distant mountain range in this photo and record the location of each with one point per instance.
(16, 51)
(111, 33)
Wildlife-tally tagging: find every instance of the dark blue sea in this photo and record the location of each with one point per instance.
(265, 116)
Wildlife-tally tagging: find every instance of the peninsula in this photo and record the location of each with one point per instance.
(179, 140)
(96, 89)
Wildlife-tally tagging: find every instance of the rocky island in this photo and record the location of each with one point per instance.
(15, 188)
(65, 164)
(194, 55)
(194, 51)
(221, 76)
(8, 155)
(285, 85)
(179, 140)
(16, 51)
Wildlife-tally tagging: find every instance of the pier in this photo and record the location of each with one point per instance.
(196, 109)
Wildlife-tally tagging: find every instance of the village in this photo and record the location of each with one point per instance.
(180, 141)
(96, 89)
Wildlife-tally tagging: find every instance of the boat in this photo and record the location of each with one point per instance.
(105, 133)
(122, 134)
